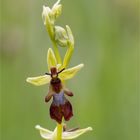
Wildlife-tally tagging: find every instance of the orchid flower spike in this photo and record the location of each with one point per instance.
(58, 72)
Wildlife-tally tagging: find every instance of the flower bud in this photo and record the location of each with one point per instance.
(45, 14)
(51, 14)
(61, 36)
(56, 11)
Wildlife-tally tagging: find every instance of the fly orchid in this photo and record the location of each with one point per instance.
(60, 106)
(57, 73)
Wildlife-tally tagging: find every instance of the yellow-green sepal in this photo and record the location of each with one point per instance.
(74, 134)
(45, 133)
(70, 73)
(66, 135)
(39, 80)
(51, 59)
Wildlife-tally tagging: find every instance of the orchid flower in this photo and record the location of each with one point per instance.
(66, 134)
(60, 106)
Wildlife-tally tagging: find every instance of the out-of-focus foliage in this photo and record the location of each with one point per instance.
(106, 90)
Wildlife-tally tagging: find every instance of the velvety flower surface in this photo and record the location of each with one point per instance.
(60, 108)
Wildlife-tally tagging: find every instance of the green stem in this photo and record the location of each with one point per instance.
(59, 131)
(57, 54)
(50, 29)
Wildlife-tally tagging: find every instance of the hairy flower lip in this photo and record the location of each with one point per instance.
(61, 108)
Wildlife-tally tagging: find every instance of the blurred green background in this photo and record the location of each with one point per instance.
(105, 91)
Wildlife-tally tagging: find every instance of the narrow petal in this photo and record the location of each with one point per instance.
(74, 134)
(40, 80)
(45, 133)
(51, 59)
(69, 73)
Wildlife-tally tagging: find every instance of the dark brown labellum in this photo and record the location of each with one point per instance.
(60, 108)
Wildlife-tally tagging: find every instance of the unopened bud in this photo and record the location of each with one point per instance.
(56, 11)
(61, 36)
(45, 14)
